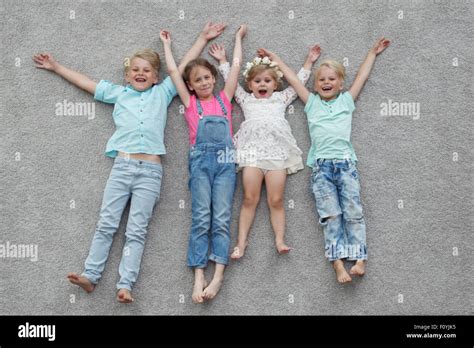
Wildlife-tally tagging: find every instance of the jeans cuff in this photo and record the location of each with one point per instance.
(356, 252)
(92, 279)
(218, 259)
(201, 265)
(124, 286)
(333, 253)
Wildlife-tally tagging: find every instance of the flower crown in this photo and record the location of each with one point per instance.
(262, 61)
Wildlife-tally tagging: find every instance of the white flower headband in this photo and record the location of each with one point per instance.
(262, 61)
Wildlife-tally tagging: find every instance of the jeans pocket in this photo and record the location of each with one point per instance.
(315, 171)
(156, 173)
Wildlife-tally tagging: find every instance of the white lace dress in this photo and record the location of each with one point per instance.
(264, 139)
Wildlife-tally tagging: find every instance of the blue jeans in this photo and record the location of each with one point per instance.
(336, 188)
(140, 181)
(212, 184)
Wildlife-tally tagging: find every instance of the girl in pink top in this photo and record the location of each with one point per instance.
(211, 162)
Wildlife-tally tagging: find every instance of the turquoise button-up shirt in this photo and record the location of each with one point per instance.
(330, 125)
(140, 117)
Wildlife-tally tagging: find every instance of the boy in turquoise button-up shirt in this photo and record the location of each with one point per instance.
(335, 179)
(139, 114)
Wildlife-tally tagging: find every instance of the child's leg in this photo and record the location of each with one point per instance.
(201, 191)
(116, 196)
(252, 179)
(275, 181)
(330, 216)
(201, 194)
(223, 189)
(145, 193)
(353, 218)
(211, 291)
(199, 285)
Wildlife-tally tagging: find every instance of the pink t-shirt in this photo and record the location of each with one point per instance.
(210, 108)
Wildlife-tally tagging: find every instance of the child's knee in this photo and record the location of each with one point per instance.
(251, 200)
(275, 202)
(325, 219)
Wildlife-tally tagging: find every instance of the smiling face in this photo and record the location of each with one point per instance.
(141, 74)
(263, 84)
(328, 83)
(202, 81)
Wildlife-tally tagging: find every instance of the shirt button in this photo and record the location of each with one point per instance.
(141, 110)
(141, 122)
(142, 135)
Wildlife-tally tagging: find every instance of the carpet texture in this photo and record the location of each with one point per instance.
(416, 163)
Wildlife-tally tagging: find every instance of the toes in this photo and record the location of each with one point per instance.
(197, 299)
(236, 254)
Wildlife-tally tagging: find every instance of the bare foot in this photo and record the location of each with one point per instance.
(358, 268)
(239, 251)
(199, 286)
(124, 296)
(341, 274)
(82, 281)
(211, 291)
(282, 248)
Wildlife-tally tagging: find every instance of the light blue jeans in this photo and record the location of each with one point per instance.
(140, 181)
(336, 188)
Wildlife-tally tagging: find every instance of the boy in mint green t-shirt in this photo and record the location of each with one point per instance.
(335, 179)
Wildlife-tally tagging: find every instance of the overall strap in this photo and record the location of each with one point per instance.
(201, 112)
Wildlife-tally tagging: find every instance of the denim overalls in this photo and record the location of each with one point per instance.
(212, 184)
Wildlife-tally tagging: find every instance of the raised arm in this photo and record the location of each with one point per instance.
(233, 78)
(173, 71)
(218, 52)
(47, 62)
(366, 67)
(289, 74)
(209, 32)
(313, 55)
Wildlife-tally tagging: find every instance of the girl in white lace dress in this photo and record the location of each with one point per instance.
(266, 150)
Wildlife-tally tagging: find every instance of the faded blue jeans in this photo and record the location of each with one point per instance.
(212, 183)
(335, 185)
(140, 181)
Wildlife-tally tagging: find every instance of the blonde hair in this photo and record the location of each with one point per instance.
(258, 69)
(147, 54)
(333, 65)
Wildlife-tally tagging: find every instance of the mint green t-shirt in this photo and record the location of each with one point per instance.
(329, 125)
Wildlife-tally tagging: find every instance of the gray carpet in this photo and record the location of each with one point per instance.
(416, 169)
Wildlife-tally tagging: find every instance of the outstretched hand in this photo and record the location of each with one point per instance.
(242, 31)
(263, 52)
(314, 53)
(217, 51)
(211, 31)
(380, 45)
(165, 36)
(45, 61)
